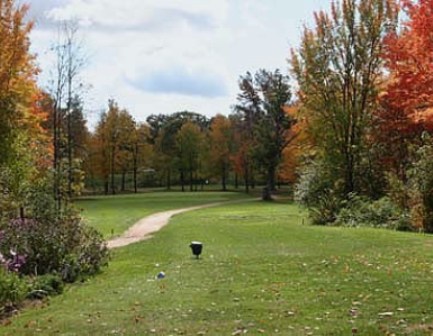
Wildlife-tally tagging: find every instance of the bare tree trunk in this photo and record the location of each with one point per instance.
(182, 180)
(223, 177)
(247, 180)
(135, 180)
(123, 181)
(271, 179)
(135, 168)
(113, 190)
(169, 179)
(106, 186)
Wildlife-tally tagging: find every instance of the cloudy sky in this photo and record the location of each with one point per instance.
(163, 56)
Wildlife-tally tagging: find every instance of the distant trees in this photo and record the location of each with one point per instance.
(118, 146)
(176, 154)
(189, 148)
(221, 140)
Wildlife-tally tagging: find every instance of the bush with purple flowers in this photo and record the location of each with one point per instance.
(43, 243)
(63, 246)
(14, 262)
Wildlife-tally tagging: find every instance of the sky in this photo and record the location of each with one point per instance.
(165, 56)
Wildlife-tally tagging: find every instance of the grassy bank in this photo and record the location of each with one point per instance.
(263, 272)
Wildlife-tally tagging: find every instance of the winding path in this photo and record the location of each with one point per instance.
(143, 229)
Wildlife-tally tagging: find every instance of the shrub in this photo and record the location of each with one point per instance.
(420, 183)
(326, 208)
(361, 211)
(44, 285)
(320, 192)
(52, 240)
(413, 191)
(64, 246)
(13, 290)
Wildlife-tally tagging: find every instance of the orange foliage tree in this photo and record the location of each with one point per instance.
(17, 75)
(407, 102)
(221, 143)
(24, 144)
(298, 143)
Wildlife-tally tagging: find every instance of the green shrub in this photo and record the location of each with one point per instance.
(51, 240)
(325, 209)
(45, 285)
(13, 290)
(312, 184)
(320, 192)
(361, 211)
(420, 185)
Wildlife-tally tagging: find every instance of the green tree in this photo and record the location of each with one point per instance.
(189, 144)
(141, 150)
(221, 144)
(267, 125)
(163, 130)
(124, 158)
(17, 74)
(338, 68)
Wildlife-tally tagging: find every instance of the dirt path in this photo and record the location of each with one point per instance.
(146, 226)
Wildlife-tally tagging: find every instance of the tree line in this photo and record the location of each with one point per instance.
(190, 149)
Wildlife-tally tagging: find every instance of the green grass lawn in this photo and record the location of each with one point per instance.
(263, 272)
(112, 215)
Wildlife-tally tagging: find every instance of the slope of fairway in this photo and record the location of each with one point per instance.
(262, 273)
(112, 215)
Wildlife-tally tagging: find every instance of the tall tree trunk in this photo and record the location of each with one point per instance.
(271, 179)
(196, 181)
(191, 180)
(135, 153)
(69, 137)
(56, 161)
(135, 179)
(191, 173)
(349, 176)
(270, 185)
(113, 190)
(169, 179)
(236, 181)
(106, 186)
(223, 177)
(247, 179)
(252, 178)
(182, 180)
(123, 181)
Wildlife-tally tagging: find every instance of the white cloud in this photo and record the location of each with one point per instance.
(142, 14)
(162, 56)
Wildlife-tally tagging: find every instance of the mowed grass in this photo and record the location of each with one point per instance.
(263, 272)
(112, 215)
